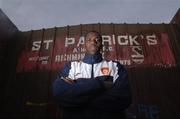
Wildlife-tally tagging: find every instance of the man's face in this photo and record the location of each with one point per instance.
(93, 43)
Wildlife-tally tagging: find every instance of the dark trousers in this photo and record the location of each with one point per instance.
(91, 114)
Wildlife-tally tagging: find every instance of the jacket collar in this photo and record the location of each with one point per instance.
(91, 59)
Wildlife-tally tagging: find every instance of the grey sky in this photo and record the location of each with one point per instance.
(37, 14)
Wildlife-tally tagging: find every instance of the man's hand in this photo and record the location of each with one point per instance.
(68, 80)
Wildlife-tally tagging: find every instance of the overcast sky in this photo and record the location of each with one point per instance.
(37, 14)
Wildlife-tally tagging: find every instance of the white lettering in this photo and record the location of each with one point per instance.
(36, 45)
(123, 40)
(106, 38)
(69, 41)
(133, 40)
(151, 40)
(47, 42)
(81, 41)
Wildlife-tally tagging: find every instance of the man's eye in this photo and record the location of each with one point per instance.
(88, 40)
(96, 40)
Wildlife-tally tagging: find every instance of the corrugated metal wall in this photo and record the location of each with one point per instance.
(8, 35)
(176, 18)
(155, 87)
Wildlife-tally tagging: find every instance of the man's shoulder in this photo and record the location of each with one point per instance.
(115, 63)
(75, 62)
(112, 61)
(70, 64)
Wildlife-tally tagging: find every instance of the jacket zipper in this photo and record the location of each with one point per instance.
(92, 71)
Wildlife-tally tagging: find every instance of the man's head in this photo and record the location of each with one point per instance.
(93, 42)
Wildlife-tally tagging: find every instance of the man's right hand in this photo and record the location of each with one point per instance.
(68, 80)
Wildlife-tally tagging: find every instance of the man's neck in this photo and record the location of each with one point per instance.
(92, 58)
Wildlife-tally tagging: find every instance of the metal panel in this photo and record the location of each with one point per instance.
(154, 86)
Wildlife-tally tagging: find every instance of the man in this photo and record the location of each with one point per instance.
(92, 88)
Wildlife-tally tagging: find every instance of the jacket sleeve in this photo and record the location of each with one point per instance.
(118, 97)
(76, 94)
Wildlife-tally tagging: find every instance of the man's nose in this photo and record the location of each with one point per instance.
(93, 41)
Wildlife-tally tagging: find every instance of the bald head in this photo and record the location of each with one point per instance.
(95, 33)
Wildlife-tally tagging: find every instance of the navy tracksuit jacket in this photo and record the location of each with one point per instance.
(87, 97)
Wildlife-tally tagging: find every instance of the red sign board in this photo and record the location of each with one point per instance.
(150, 50)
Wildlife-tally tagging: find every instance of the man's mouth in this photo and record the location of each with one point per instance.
(93, 47)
